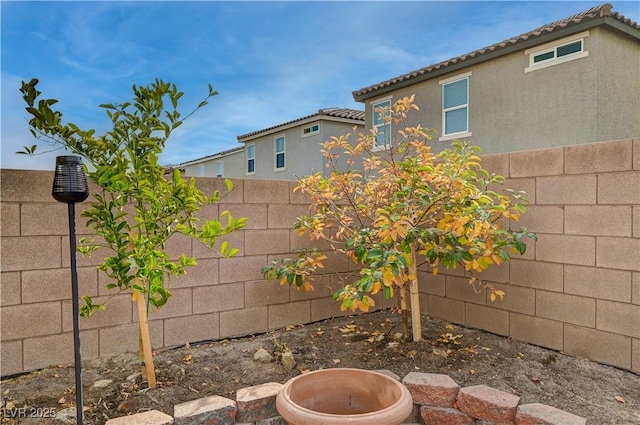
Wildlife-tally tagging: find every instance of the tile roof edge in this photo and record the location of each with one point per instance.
(601, 12)
(335, 112)
(206, 157)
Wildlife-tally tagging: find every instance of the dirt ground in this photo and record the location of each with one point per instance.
(601, 394)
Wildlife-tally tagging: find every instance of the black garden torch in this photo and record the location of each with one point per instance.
(70, 186)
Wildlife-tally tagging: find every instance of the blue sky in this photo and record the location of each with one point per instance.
(271, 61)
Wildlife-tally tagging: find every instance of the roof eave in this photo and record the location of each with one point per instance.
(622, 27)
(285, 127)
(210, 157)
(520, 45)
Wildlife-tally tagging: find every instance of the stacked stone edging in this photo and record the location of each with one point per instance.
(437, 398)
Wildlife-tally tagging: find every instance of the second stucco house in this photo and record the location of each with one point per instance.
(285, 151)
(292, 149)
(573, 81)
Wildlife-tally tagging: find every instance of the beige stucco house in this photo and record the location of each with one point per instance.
(573, 81)
(221, 164)
(283, 152)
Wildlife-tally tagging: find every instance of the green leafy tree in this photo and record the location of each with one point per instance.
(137, 208)
(393, 208)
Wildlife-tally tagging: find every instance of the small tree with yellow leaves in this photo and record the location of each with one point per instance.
(394, 207)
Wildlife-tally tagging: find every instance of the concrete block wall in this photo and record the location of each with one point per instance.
(578, 283)
(219, 298)
(577, 288)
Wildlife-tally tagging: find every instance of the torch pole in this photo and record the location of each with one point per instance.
(76, 313)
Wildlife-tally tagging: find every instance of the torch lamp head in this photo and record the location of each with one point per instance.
(69, 181)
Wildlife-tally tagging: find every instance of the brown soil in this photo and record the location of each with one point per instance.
(601, 394)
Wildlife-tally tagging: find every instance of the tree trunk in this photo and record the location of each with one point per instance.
(416, 319)
(403, 309)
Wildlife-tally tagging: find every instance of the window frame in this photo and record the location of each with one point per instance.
(311, 131)
(375, 105)
(444, 83)
(250, 147)
(276, 152)
(553, 47)
(219, 168)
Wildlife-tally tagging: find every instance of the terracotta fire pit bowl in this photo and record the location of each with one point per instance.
(344, 396)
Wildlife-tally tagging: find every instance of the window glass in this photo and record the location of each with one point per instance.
(251, 159)
(557, 54)
(570, 48)
(543, 57)
(455, 108)
(455, 94)
(279, 152)
(456, 121)
(384, 129)
(314, 128)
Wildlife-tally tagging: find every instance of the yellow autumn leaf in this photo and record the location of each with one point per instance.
(388, 277)
(376, 288)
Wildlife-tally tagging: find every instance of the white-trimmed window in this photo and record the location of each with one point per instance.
(557, 52)
(200, 170)
(311, 129)
(380, 121)
(279, 149)
(251, 158)
(219, 169)
(455, 107)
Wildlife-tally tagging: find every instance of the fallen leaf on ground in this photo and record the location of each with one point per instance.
(620, 399)
(442, 353)
(348, 328)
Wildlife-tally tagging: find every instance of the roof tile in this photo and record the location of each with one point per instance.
(345, 113)
(603, 10)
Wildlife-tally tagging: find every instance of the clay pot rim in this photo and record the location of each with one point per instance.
(286, 388)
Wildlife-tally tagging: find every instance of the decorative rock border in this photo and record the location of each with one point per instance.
(437, 398)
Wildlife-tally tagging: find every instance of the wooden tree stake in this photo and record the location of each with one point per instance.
(416, 321)
(145, 338)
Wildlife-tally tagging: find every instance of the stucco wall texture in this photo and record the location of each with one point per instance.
(576, 290)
